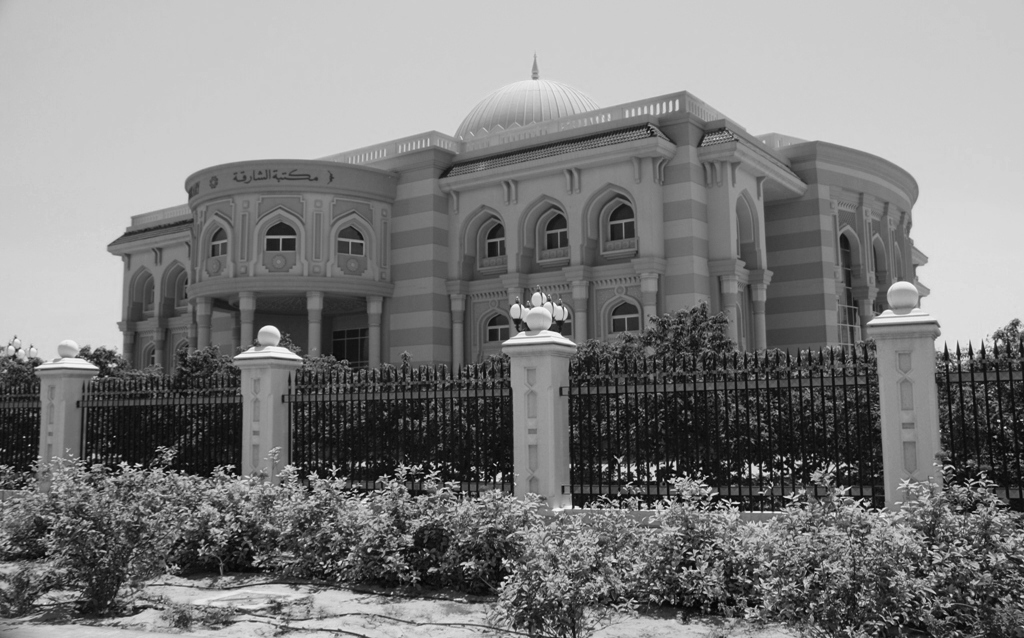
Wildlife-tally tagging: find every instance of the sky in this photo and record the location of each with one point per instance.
(106, 107)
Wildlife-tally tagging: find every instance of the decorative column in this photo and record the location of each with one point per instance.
(129, 347)
(458, 302)
(730, 288)
(759, 280)
(204, 312)
(314, 315)
(374, 309)
(159, 343)
(265, 371)
(649, 295)
(580, 300)
(908, 396)
(61, 385)
(246, 315)
(540, 415)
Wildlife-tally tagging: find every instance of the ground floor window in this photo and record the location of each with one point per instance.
(353, 346)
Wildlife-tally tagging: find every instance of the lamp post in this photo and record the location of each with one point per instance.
(15, 351)
(539, 312)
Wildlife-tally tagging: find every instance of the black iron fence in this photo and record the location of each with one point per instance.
(757, 426)
(131, 420)
(19, 424)
(362, 424)
(981, 414)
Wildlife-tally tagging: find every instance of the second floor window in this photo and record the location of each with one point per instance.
(280, 238)
(219, 243)
(496, 241)
(556, 234)
(621, 224)
(350, 242)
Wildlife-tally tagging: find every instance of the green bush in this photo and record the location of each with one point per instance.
(23, 524)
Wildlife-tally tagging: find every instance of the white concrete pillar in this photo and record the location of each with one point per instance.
(265, 371)
(204, 319)
(580, 300)
(458, 303)
(60, 389)
(159, 344)
(374, 309)
(649, 295)
(314, 317)
(759, 280)
(246, 315)
(908, 395)
(730, 297)
(540, 415)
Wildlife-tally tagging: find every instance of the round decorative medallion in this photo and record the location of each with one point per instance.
(278, 261)
(215, 266)
(316, 270)
(213, 182)
(493, 304)
(352, 264)
(620, 290)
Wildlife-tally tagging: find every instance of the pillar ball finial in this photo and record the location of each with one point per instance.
(269, 336)
(539, 318)
(902, 297)
(68, 349)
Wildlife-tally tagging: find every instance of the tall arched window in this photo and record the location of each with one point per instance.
(180, 284)
(621, 223)
(625, 318)
(148, 295)
(497, 329)
(219, 243)
(280, 238)
(350, 242)
(849, 317)
(496, 241)
(556, 233)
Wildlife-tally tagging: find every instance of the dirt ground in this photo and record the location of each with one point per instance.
(253, 606)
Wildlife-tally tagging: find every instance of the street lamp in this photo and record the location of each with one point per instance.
(15, 351)
(538, 312)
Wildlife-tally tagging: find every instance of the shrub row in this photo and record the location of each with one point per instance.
(949, 563)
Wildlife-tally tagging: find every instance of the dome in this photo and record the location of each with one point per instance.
(523, 103)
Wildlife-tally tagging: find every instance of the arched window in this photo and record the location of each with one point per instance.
(497, 329)
(849, 317)
(149, 356)
(280, 238)
(180, 284)
(496, 241)
(621, 223)
(148, 295)
(219, 243)
(625, 318)
(350, 242)
(556, 233)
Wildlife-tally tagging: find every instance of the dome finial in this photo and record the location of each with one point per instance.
(536, 72)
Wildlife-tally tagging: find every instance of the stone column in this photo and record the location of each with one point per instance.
(759, 280)
(730, 289)
(129, 347)
(458, 302)
(649, 295)
(580, 299)
(204, 318)
(246, 315)
(60, 389)
(908, 396)
(374, 309)
(265, 371)
(314, 317)
(159, 344)
(540, 415)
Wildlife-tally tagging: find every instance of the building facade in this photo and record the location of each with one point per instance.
(421, 244)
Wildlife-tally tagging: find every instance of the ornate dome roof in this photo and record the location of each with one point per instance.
(522, 103)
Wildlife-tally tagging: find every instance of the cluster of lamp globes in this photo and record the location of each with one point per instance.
(539, 312)
(15, 351)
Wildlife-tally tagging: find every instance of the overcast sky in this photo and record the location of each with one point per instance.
(107, 106)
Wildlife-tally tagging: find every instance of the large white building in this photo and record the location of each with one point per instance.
(625, 212)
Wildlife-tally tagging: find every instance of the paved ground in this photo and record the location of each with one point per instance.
(243, 607)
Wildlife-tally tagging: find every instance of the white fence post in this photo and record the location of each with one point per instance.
(265, 370)
(540, 415)
(908, 395)
(60, 418)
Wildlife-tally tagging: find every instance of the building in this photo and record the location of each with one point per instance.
(420, 244)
